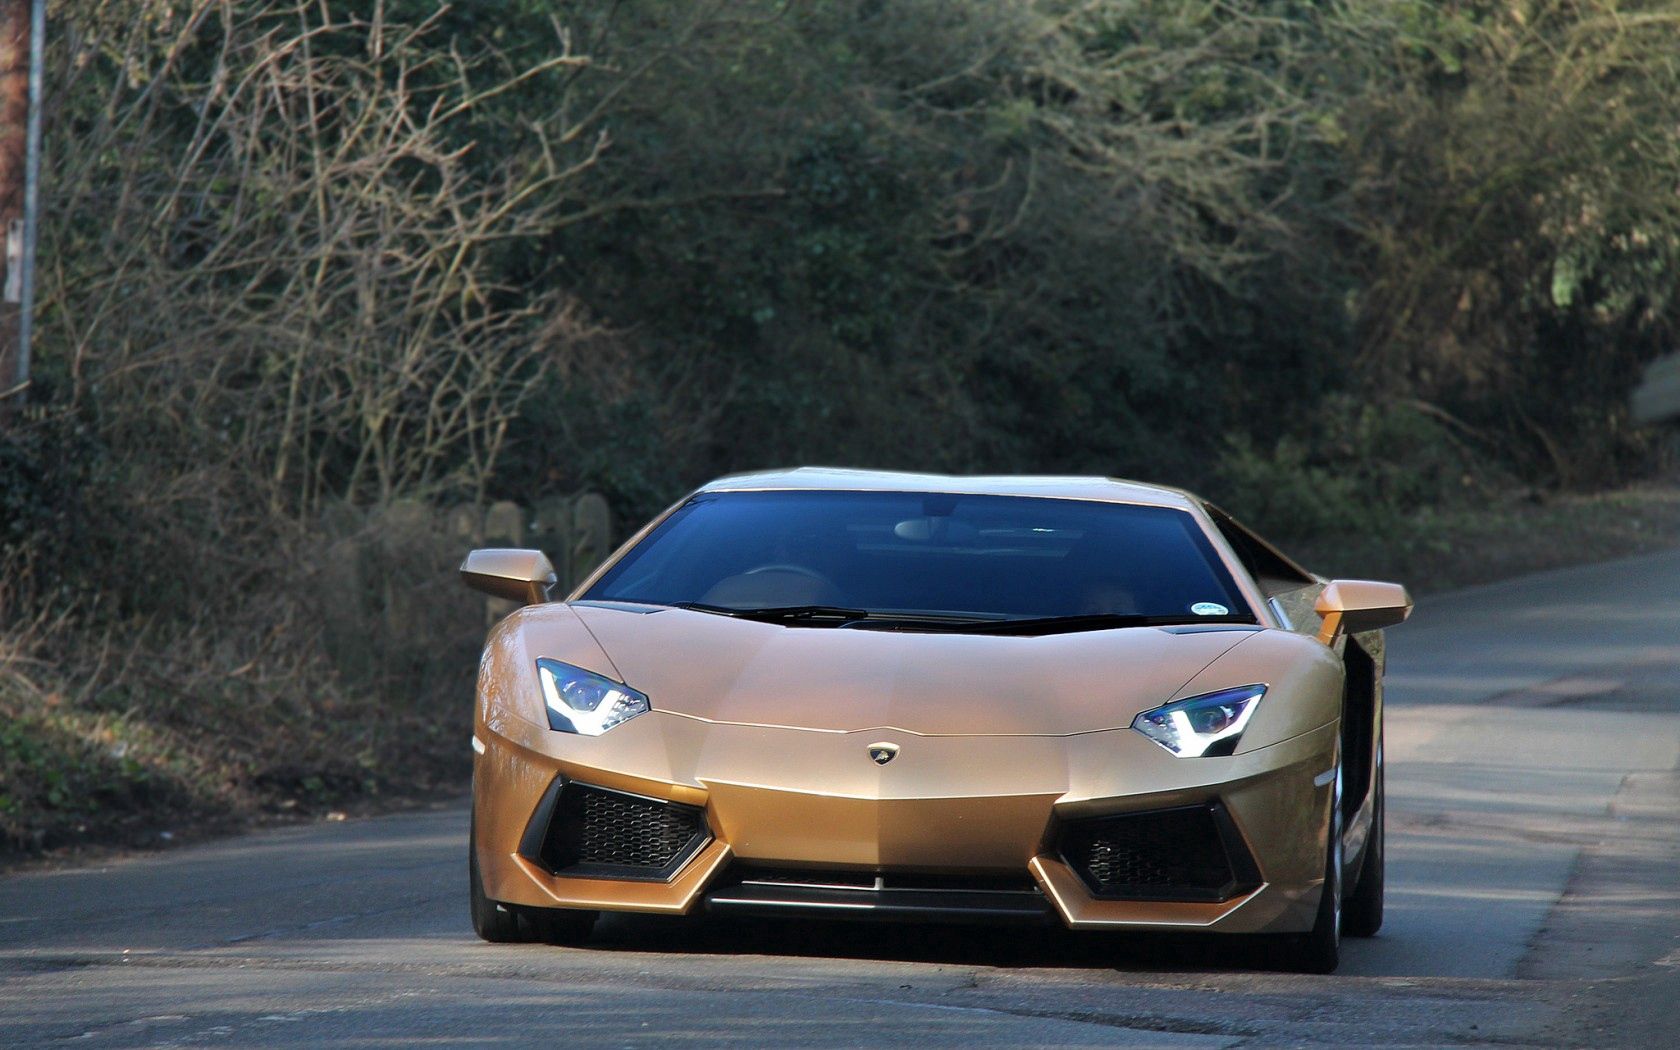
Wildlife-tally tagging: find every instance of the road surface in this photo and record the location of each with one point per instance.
(1534, 900)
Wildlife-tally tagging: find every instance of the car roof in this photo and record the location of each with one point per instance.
(1108, 490)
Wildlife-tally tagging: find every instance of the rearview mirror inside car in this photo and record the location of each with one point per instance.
(1351, 606)
(512, 573)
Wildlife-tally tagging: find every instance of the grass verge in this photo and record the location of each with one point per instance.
(1508, 535)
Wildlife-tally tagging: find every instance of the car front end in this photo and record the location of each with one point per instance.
(674, 812)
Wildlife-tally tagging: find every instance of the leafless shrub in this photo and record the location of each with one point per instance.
(309, 290)
(275, 280)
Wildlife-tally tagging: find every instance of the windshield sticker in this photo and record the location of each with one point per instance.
(1209, 609)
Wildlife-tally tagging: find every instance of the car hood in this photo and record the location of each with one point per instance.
(935, 684)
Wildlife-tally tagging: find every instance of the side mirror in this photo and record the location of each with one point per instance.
(506, 572)
(1351, 606)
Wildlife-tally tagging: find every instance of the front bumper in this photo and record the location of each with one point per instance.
(974, 812)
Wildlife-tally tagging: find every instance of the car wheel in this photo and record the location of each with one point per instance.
(495, 922)
(1320, 949)
(1362, 913)
(501, 923)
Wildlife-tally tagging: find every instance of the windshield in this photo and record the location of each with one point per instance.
(963, 557)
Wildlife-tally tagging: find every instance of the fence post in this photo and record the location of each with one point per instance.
(1657, 397)
(591, 537)
(551, 533)
(504, 526)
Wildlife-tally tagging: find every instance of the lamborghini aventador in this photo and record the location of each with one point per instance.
(835, 693)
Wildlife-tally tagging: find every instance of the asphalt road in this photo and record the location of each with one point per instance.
(1534, 899)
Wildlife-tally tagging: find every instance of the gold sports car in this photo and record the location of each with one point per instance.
(923, 698)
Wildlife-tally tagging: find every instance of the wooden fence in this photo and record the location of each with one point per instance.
(575, 532)
(384, 580)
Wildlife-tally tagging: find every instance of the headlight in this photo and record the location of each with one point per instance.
(584, 702)
(1202, 726)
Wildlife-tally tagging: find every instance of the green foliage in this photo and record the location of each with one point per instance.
(1367, 470)
(54, 530)
(61, 776)
(947, 236)
(1519, 258)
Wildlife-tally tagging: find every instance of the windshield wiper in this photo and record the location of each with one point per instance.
(844, 616)
(839, 616)
(800, 614)
(1089, 622)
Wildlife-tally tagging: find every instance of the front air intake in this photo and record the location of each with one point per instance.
(1192, 853)
(584, 831)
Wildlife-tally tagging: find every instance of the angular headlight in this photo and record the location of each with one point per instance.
(584, 702)
(1202, 726)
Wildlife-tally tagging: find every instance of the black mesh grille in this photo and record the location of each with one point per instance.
(609, 834)
(1170, 854)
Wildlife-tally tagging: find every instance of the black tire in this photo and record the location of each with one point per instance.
(1320, 949)
(493, 921)
(1362, 911)
(501, 923)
